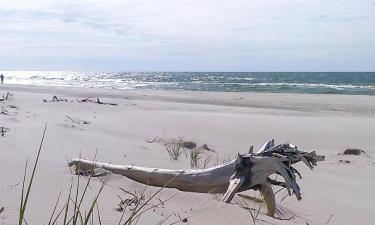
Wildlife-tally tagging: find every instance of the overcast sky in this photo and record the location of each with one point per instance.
(188, 35)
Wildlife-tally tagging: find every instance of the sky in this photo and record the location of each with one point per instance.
(188, 35)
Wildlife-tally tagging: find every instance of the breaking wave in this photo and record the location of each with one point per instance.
(319, 83)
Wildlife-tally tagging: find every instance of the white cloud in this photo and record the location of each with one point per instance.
(187, 35)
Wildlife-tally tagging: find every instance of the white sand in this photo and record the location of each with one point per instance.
(226, 122)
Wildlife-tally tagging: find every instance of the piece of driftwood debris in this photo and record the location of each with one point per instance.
(250, 171)
(3, 131)
(78, 121)
(353, 151)
(4, 111)
(8, 96)
(97, 101)
(188, 144)
(12, 106)
(153, 140)
(56, 99)
(344, 161)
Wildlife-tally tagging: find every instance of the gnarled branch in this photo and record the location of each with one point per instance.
(250, 171)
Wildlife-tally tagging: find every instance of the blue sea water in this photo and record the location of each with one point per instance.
(281, 82)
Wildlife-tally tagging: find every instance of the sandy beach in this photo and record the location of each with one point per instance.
(340, 192)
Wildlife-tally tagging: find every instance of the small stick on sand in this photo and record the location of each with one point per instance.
(329, 220)
(153, 140)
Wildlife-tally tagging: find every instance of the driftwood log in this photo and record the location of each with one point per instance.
(250, 171)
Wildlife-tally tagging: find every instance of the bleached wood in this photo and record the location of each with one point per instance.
(234, 184)
(250, 171)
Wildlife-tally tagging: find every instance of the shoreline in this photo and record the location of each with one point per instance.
(334, 104)
(29, 87)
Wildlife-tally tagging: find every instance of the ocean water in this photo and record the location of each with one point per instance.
(285, 82)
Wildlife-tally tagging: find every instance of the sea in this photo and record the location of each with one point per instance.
(351, 83)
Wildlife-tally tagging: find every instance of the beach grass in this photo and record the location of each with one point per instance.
(195, 155)
(72, 212)
(174, 149)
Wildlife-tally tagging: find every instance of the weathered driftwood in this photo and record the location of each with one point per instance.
(78, 121)
(4, 111)
(97, 101)
(3, 131)
(56, 99)
(250, 171)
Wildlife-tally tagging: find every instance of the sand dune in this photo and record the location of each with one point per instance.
(227, 122)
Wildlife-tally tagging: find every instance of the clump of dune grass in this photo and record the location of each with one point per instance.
(75, 200)
(174, 149)
(72, 211)
(195, 155)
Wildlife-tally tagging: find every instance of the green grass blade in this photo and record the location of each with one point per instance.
(99, 218)
(67, 203)
(20, 216)
(24, 204)
(54, 209)
(75, 213)
(94, 202)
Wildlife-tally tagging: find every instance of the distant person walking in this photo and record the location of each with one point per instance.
(2, 78)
